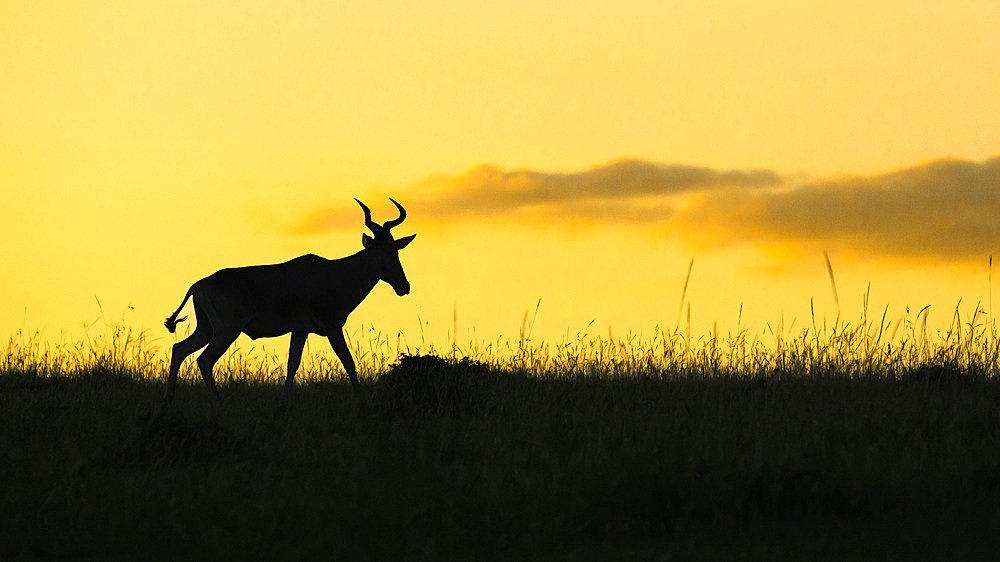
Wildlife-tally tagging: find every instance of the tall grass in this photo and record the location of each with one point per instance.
(120, 349)
(873, 346)
(815, 440)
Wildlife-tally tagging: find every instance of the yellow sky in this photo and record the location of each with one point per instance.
(145, 145)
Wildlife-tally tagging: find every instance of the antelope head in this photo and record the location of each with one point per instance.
(386, 248)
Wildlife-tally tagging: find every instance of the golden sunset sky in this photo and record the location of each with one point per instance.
(578, 153)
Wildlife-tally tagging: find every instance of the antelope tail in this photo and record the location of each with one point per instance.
(172, 321)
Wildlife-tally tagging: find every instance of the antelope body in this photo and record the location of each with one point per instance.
(305, 295)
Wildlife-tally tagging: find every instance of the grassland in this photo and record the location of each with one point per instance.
(868, 441)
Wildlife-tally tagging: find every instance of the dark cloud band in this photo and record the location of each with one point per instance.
(947, 209)
(607, 193)
(491, 190)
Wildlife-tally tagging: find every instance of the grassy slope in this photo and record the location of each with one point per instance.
(467, 462)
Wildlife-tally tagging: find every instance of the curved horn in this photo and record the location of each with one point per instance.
(368, 217)
(402, 215)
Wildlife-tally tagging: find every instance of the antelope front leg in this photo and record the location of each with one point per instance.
(340, 347)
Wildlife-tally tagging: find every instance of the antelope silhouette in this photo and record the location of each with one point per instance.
(306, 295)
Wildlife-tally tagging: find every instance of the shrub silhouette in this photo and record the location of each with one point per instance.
(423, 384)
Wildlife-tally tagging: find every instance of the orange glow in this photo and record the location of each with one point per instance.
(144, 146)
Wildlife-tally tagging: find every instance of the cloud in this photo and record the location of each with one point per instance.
(489, 190)
(946, 209)
(608, 193)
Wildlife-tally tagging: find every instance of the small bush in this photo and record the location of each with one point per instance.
(423, 384)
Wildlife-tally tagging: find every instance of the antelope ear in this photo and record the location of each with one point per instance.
(402, 242)
(366, 241)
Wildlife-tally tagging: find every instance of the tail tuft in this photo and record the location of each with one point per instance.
(171, 323)
(172, 320)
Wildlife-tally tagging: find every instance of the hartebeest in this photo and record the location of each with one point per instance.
(307, 295)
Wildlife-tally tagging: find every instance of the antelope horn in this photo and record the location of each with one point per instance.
(368, 217)
(402, 215)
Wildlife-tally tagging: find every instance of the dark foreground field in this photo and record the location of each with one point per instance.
(458, 461)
